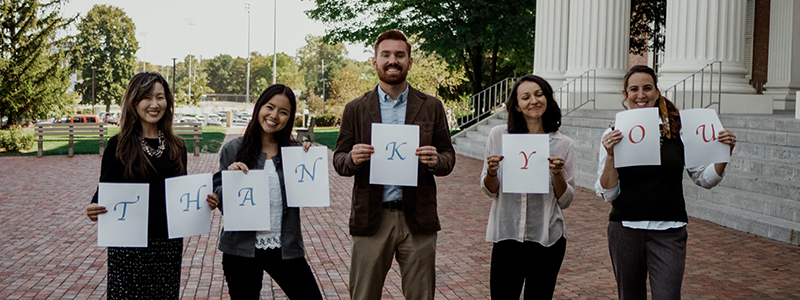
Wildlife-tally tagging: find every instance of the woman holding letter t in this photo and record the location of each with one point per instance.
(145, 151)
(647, 224)
(279, 251)
(528, 230)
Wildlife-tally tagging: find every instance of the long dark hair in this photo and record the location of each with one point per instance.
(672, 111)
(129, 148)
(551, 119)
(250, 149)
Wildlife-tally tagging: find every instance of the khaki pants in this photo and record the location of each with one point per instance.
(372, 258)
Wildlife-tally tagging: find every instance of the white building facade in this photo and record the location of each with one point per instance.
(574, 36)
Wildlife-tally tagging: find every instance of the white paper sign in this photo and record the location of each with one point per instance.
(125, 223)
(188, 213)
(394, 161)
(245, 200)
(525, 165)
(306, 176)
(699, 130)
(640, 138)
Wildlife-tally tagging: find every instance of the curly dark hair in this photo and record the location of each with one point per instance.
(551, 119)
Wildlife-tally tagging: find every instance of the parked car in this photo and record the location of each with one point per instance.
(213, 120)
(110, 117)
(79, 119)
(241, 122)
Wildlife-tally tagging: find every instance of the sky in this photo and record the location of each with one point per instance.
(220, 27)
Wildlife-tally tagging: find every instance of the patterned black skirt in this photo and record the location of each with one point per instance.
(145, 273)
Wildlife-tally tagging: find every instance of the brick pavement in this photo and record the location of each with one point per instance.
(48, 246)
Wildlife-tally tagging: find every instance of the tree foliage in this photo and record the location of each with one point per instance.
(107, 42)
(643, 13)
(352, 81)
(33, 74)
(311, 56)
(487, 40)
(199, 80)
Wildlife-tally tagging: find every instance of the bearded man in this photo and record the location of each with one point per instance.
(387, 220)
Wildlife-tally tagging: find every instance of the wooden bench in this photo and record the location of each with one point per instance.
(75, 131)
(306, 131)
(193, 129)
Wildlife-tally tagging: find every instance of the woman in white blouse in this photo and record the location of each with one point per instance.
(647, 224)
(528, 230)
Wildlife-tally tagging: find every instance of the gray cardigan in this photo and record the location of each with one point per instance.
(243, 243)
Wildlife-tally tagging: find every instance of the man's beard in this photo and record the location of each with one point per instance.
(392, 79)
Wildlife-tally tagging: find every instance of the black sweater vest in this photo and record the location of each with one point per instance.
(653, 193)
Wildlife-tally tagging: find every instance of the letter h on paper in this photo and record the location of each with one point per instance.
(189, 199)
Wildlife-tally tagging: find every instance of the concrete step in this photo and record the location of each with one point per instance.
(764, 184)
(784, 154)
(586, 122)
(746, 221)
(469, 152)
(771, 123)
(778, 169)
(773, 207)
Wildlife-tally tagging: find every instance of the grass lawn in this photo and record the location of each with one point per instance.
(212, 141)
(326, 136)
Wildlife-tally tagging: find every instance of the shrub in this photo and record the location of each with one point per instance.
(326, 120)
(13, 139)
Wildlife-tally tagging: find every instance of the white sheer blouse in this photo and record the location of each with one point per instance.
(529, 217)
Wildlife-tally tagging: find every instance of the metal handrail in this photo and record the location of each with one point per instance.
(484, 103)
(574, 91)
(693, 91)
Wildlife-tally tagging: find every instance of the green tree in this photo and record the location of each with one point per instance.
(311, 57)
(644, 13)
(432, 75)
(288, 73)
(33, 73)
(350, 82)
(487, 39)
(198, 81)
(221, 72)
(107, 42)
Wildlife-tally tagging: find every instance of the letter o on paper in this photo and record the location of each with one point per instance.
(630, 134)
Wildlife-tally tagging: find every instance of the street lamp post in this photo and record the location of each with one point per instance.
(247, 97)
(93, 101)
(323, 86)
(173, 76)
(191, 23)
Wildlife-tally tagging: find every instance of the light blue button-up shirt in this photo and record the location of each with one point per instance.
(393, 112)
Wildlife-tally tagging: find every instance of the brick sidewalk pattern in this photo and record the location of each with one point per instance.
(48, 246)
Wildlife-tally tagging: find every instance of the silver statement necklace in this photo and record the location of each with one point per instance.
(154, 152)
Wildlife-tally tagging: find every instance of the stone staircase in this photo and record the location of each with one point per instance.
(761, 190)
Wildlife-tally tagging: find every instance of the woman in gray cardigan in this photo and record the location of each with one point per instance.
(279, 252)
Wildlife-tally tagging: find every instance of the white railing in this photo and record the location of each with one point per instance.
(484, 103)
(577, 92)
(703, 79)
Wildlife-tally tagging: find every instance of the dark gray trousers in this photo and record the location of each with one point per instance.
(635, 253)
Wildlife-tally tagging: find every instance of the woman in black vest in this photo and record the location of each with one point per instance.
(647, 224)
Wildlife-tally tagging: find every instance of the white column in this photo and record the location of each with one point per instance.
(783, 73)
(598, 39)
(701, 32)
(551, 38)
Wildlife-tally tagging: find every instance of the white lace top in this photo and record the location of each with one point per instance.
(272, 239)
